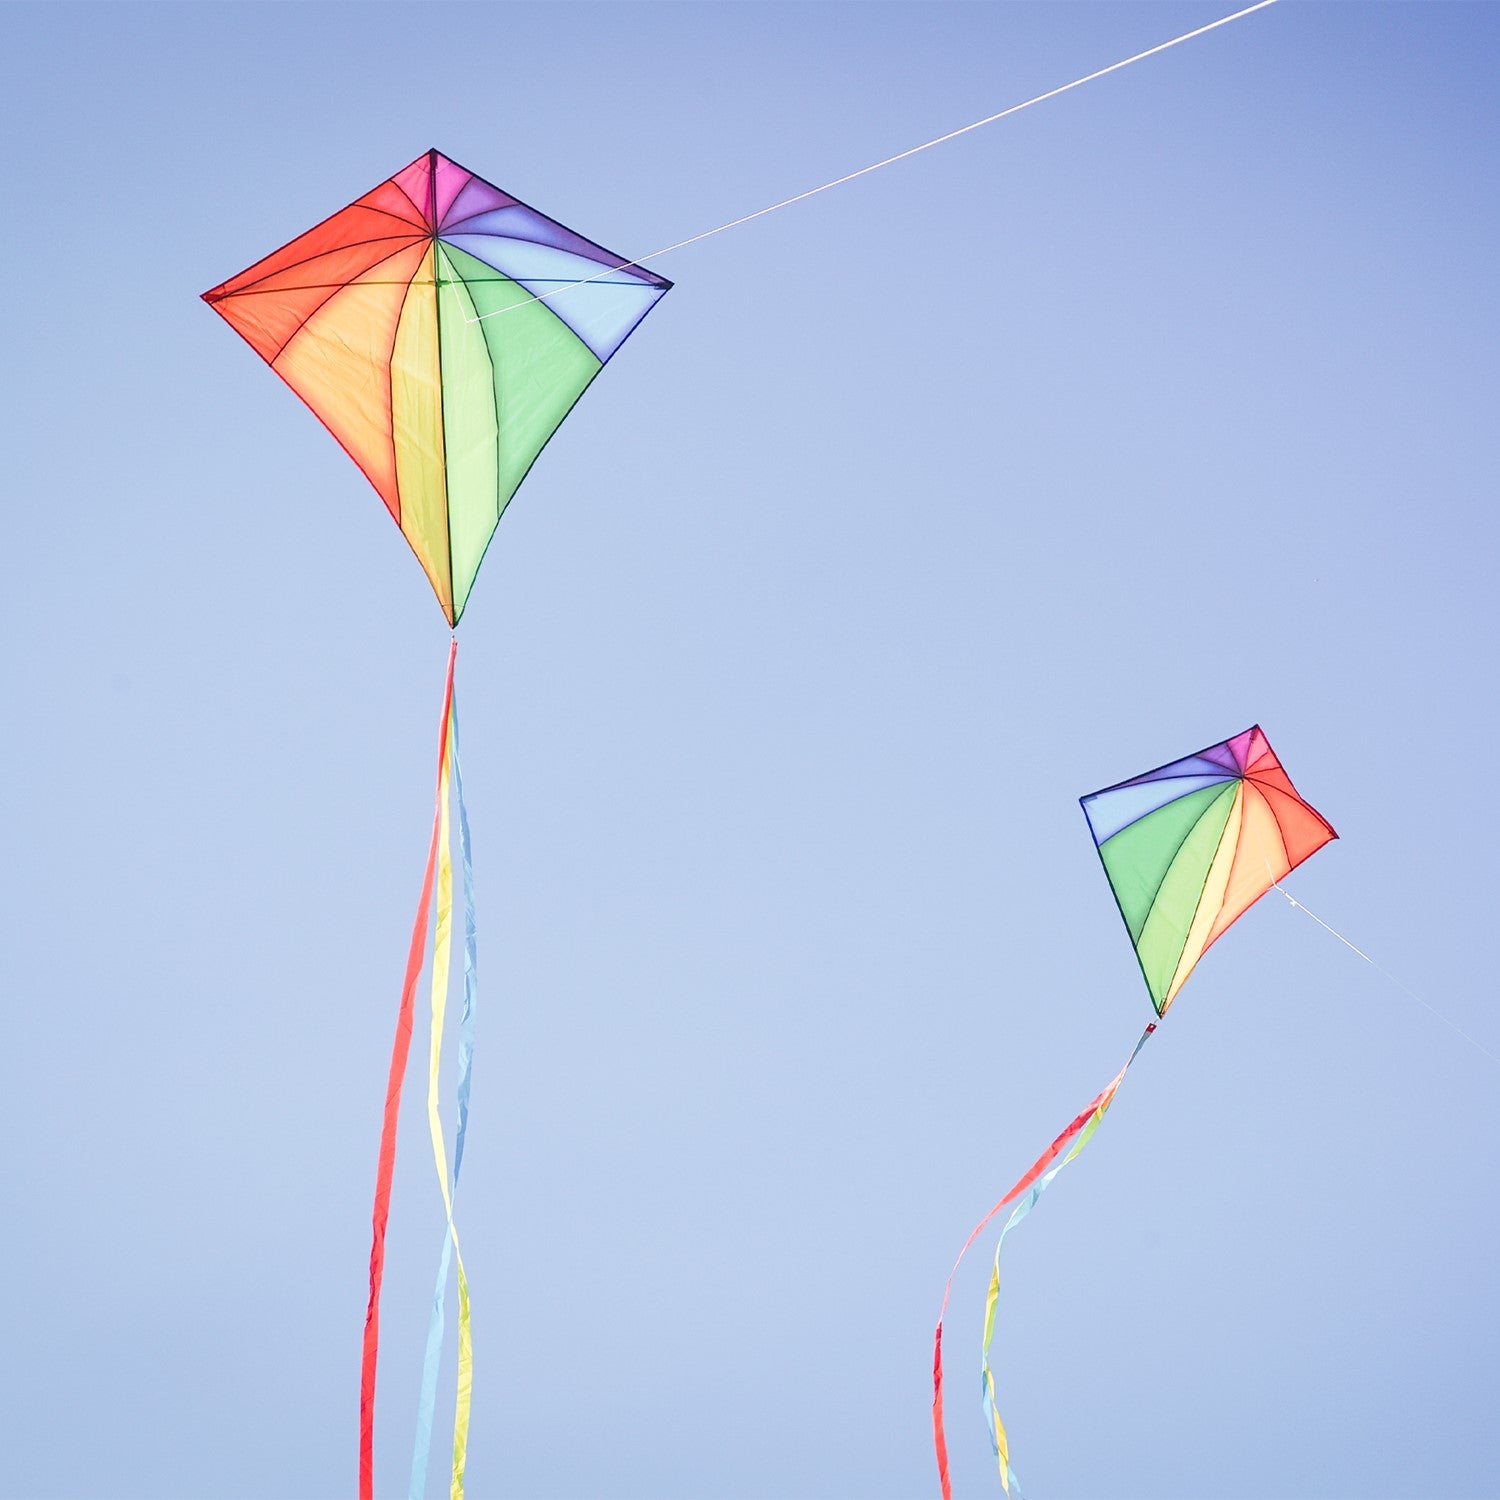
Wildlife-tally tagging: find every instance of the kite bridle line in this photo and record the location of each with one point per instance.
(889, 161)
(1404, 988)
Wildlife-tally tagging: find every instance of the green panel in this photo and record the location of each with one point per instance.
(1138, 857)
(470, 430)
(1166, 930)
(541, 367)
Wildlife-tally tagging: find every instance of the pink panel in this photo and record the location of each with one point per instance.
(1239, 746)
(1260, 754)
(414, 182)
(451, 181)
(1221, 756)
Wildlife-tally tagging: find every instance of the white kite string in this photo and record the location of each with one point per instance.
(1405, 989)
(952, 135)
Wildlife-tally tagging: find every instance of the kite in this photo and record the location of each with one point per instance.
(1187, 848)
(441, 330)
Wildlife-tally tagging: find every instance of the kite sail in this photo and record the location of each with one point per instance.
(1188, 848)
(1191, 846)
(441, 330)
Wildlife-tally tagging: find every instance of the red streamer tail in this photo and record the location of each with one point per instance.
(1026, 1181)
(387, 1162)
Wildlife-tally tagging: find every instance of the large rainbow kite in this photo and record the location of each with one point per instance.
(441, 330)
(1188, 848)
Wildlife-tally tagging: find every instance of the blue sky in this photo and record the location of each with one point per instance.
(914, 512)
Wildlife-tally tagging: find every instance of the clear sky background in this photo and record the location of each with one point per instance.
(911, 514)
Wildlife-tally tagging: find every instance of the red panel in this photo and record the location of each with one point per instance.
(355, 225)
(269, 314)
(1303, 831)
(390, 199)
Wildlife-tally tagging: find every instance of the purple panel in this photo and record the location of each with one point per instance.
(476, 197)
(451, 180)
(1220, 755)
(518, 222)
(1193, 765)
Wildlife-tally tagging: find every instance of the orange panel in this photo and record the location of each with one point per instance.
(417, 430)
(268, 316)
(1259, 859)
(339, 363)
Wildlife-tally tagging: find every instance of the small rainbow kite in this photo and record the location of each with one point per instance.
(1188, 849)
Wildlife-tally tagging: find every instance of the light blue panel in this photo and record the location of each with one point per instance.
(602, 313)
(1109, 812)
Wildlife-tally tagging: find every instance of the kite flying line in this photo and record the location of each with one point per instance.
(1405, 989)
(952, 135)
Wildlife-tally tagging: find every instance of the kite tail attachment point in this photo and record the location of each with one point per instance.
(1027, 1190)
(385, 1167)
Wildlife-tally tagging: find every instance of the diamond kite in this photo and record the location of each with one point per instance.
(441, 330)
(1191, 846)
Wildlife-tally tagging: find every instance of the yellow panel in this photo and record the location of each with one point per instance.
(471, 438)
(1211, 900)
(1259, 860)
(417, 425)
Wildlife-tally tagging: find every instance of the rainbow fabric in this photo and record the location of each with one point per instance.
(441, 330)
(1190, 846)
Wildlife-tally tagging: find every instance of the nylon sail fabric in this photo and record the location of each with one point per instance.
(385, 1167)
(409, 322)
(1189, 847)
(1033, 1183)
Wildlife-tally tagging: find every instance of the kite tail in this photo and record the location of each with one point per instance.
(428, 1398)
(385, 1168)
(1032, 1184)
